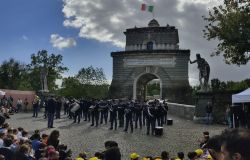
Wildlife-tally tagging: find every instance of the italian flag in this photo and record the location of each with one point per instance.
(148, 8)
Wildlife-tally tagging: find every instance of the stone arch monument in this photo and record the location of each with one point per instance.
(151, 53)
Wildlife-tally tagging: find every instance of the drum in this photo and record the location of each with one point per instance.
(158, 131)
(75, 108)
(169, 122)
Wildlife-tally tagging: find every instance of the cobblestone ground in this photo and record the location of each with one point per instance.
(181, 136)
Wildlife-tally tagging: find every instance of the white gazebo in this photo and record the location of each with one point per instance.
(2, 93)
(242, 97)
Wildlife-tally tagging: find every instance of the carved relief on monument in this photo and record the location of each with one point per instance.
(150, 61)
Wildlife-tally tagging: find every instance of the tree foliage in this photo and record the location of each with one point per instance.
(12, 73)
(229, 23)
(153, 89)
(91, 75)
(218, 85)
(54, 66)
(89, 83)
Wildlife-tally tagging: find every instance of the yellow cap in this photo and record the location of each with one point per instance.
(209, 157)
(79, 158)
(145, 158)
(94, 158)
(177, 159)
(134, 155)
(198, 152)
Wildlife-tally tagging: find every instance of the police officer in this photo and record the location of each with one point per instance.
(151, 112)
(138, 114)
(113, 114)
(165, 112)
(120, 109)
(159, 113)
(86, 111)
(144, 112)
(129, 116)
(66, 107)
(58, 108)
(104, 111)
(51, 111)
(95, 113)
(77, 114)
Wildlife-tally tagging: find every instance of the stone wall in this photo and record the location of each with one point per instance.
(181, 110)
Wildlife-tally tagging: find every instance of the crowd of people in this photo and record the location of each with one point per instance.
(126, 114)
(17, 144)
(7, 106)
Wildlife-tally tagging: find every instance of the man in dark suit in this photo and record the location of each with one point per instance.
(51, 111)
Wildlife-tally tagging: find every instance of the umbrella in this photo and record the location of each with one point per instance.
(2, 93)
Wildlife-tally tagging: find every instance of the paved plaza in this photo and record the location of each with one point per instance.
(182, 136)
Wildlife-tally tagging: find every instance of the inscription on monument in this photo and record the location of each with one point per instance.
(133, 62)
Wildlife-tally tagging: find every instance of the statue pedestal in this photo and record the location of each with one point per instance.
(219, 101)
(202, 97)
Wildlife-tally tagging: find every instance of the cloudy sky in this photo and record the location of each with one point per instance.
(86, 31)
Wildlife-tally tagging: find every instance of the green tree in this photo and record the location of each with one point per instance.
(153, 89)
(215, 84)
(71, 87)
(89, 83)
(229, 23)
(54, 66)
(91, 75)
(11, 74)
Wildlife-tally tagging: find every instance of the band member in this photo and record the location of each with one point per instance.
(51, 111)
(104, 111)
(76, 109)
(138, 114)
(58, 108)
(151, 118)
(113, 115)
(36, 106)
(120, 109)
(129, 116)
(165, 112)
(94, 110)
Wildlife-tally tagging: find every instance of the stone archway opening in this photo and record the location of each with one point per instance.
(147, 86)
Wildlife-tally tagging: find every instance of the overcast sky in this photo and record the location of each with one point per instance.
(86, 31)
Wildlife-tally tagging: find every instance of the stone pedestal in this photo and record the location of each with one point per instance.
(202, 98)
(218, 99)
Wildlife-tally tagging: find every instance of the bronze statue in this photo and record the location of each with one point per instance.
(204, 68)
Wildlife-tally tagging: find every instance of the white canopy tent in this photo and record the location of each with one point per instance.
(2, 93)
(242, 97)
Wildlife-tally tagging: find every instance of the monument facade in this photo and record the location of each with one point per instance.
(151, 53)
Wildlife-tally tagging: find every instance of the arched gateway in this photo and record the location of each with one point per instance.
(151, 53)
(140, 85)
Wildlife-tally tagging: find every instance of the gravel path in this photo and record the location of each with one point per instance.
(181, 136)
